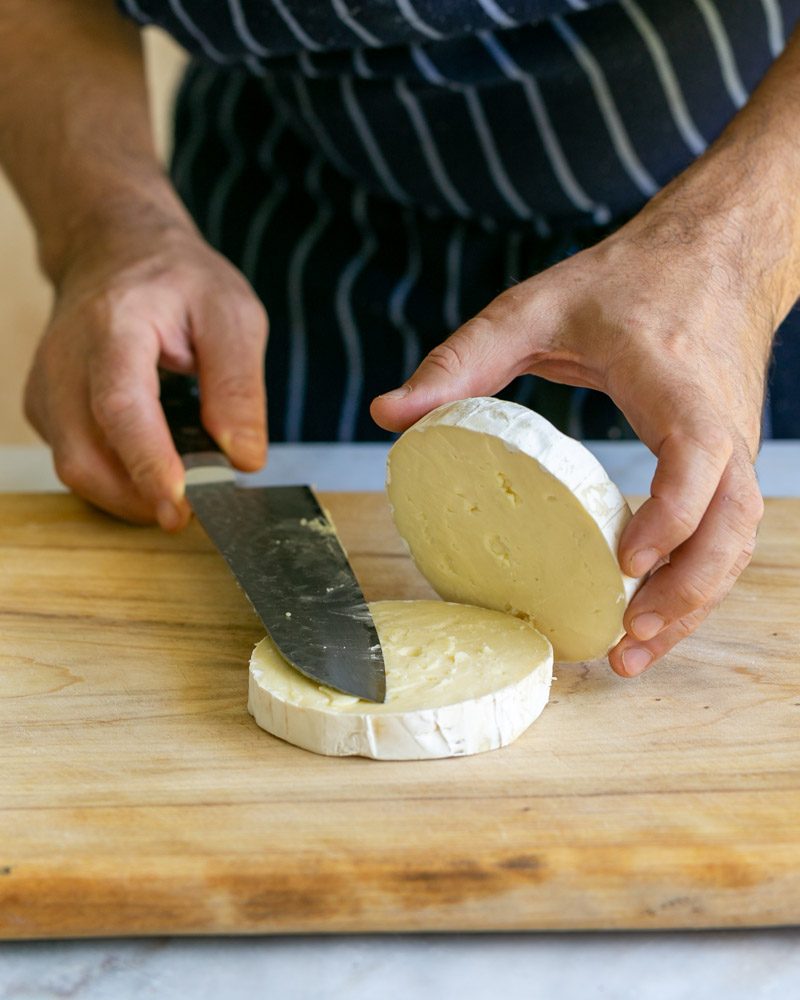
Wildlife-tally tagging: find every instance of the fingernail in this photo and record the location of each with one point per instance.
(168, 516)
(244, 445)
(249, 444)
(404, 390)
(647, 626)
(635, 659)
(643, 561)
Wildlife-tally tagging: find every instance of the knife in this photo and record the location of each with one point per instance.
(285, 555)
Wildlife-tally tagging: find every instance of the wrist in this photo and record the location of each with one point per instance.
(736, 211)
(111, 210)
(736, 230)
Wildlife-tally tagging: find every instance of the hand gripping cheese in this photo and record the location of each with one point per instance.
(459, 680)
(500, 509)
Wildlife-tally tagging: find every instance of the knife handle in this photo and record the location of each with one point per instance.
(201, 455)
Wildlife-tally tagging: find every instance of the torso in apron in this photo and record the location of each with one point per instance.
(380, 177)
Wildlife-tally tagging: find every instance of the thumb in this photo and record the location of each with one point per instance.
(479, 359)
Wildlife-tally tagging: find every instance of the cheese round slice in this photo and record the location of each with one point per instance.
(459, 680)
(500, 509)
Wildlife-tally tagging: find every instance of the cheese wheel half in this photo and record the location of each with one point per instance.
(500, 509)
(459, 680)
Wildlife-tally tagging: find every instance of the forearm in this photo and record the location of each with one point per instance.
(75, 135)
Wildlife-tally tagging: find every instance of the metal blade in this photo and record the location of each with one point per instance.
(287, 558)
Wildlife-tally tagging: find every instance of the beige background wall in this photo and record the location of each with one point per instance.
(24, 295)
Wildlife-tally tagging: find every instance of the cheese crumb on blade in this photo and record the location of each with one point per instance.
(459, 680)
(500, 509)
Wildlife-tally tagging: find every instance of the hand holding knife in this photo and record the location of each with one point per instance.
(284, 554)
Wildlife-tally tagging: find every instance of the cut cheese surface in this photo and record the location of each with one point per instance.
(459, 680)
(502, 510)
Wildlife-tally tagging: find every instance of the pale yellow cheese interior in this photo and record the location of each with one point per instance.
(436, 654)
(488, 525)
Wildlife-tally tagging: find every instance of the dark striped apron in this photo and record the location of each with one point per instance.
(381, 171)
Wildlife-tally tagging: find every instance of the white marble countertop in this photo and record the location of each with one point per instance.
(736, 965)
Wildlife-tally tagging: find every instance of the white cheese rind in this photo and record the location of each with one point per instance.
(499, 508)
(460, 680)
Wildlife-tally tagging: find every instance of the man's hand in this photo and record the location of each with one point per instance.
(673, 317)
(136, 287)
(142, 296)
(681, 364)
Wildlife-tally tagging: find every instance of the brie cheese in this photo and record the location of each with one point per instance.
(500, 509)
(459, 680)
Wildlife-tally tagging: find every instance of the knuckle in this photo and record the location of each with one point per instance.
(748, 549)
(447, 358)
(254, 310)
(750, 504)
(680, 513)
(471, 346)
(113, 406)
(237, 388)
(707, 436)
(692, 592)
(744, 510)
(742, 560)
(31, 406)
(104, 311)
(247, 314)
(712, 438)
(683, 627)
(635, 322)
(687, 624)
(145, 468)
(72, 468)
(479, 329)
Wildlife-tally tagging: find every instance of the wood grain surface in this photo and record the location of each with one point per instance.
(138, 797)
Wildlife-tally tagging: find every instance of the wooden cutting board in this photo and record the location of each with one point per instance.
(138, 797)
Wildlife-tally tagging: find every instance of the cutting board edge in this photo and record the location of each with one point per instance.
(684, 891)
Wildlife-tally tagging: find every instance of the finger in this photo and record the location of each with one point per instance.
(96, 474)
(479, 359)
(82, 460)
(692, 458)
(34, 398)
(630, 657)
(230, 336)
(702, 570)
(85, 464)
(124, 401)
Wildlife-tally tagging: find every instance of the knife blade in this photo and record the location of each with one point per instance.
(286, 556)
